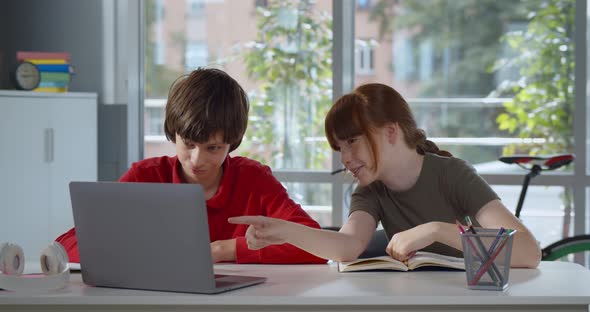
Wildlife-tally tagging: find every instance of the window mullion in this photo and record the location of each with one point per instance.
(342, 79)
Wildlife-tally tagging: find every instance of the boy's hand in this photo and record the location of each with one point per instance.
(263, 231)
(223, 250)
(404, 245)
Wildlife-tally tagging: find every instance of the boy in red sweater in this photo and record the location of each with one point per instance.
(206, 118)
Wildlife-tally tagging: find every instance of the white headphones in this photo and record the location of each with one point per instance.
(54, 264)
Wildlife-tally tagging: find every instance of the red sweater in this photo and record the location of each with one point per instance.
(247, 188)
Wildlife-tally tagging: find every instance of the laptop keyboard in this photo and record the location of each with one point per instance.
(223, 284)
(223, 281)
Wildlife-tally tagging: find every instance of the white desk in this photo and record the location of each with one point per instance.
(555, 286)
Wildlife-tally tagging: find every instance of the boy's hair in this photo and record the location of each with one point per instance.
(204, 102)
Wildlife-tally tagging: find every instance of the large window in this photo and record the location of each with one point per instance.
(484, 79)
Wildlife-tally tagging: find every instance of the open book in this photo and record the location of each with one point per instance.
(420, 259)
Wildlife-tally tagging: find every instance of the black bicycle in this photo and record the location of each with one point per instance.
(535, 165)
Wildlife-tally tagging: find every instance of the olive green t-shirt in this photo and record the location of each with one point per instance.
(447, 189)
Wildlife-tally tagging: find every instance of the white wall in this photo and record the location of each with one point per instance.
(80, 28)
(60, 25)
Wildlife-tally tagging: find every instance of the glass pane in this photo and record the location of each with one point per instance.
(315, 198)
(279, 51)
(546, 212)
(347, 190)
(483, 78)
(587, 221)
(153, 121)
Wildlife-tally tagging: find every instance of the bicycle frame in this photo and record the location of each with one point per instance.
(534, 171)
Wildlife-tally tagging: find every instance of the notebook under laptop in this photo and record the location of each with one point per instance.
(149, 236)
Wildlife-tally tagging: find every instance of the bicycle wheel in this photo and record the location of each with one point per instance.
(565, 247)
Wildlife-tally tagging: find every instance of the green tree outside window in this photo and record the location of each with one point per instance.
(291, 58)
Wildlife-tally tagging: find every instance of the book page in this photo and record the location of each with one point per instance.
(423, 258)
(376, 263)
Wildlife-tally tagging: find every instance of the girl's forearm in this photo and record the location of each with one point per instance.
(448, 234)
(324, 243)
(525, 250)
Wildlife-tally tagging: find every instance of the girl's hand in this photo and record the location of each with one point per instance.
(263, 231)
(404, 245)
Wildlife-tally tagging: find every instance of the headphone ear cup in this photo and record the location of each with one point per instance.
(54, 259)
(12, 259)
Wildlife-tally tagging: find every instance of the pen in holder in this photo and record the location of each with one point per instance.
(487, 255)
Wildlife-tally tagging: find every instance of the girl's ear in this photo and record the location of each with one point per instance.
(391, 132)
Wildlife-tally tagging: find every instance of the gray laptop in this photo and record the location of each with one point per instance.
(149, 236)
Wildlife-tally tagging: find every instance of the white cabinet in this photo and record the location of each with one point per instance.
(46, 141)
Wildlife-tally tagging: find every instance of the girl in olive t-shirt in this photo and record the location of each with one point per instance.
(405, 182)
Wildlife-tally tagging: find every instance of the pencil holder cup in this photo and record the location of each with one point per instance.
(487, 255)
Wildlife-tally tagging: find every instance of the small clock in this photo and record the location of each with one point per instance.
(26, 76)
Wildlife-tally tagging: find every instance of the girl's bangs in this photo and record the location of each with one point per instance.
(344, 120)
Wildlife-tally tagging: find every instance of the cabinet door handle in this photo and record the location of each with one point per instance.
(49, 145)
